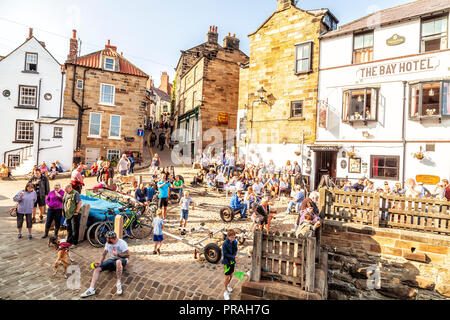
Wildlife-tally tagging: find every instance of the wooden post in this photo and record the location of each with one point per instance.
(376, 211)
(310, 263)
(118, 226)
(84, 215)
(256, 259)
(322, 195)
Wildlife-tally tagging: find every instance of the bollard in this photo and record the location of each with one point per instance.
(118, 226)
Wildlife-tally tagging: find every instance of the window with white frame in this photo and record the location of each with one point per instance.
(360, 105)
(27, 96)
(303, 56)
(79, 84)
(57, 132)
(109, 64)
(31, 60)
(434, 34)
(113, 155)
(95, 124)
(107, 93)
(114, 126)
(24, 130)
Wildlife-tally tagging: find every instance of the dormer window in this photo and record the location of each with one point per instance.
(109, 64)
(31, 62)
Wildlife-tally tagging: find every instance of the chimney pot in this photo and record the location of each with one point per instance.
(74, 34)
(30, 33)
(109, 42)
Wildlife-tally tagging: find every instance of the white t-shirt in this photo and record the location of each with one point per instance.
(121, 246)
(123, 164)
(257, 187)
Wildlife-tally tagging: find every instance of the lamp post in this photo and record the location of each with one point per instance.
(262, 93)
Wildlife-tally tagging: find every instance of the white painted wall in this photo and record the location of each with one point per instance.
(55, 149)
(337, 52)
(11, 76)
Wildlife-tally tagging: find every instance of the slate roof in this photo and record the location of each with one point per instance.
(164, 96)
(400, 13)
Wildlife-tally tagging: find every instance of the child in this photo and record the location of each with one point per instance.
(185, 202)
(229, 250)
(307, 226)
(150, 192)
(158, 226)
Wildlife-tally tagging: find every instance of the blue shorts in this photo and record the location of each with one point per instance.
(158, 237)
(110, 264)
(184, 214)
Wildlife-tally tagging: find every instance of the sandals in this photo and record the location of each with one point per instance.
(41, 219)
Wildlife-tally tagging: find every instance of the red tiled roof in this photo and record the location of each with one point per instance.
(92, 60)
(403, 12)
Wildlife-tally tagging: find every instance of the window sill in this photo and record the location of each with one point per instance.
(25, 107)
(106, 104)
(422, 118)
(94, 137)
(57, 137)
(27, 71)
(26, 142)
(114, 138)
(302, 73)
(296, 119)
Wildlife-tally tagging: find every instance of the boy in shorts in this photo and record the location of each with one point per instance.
(229, 251)
(158, 226)
(185, 202)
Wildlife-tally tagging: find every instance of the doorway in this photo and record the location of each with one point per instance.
(325, 165)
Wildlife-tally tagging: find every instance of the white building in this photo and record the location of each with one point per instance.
(162, 105)
(384, 95)
(31, 84)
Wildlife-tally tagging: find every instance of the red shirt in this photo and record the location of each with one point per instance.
(447, 193)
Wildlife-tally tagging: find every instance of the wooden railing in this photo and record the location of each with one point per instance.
(384, 210)
(285, 258)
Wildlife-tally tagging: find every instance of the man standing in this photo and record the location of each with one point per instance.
(163, 189)
(162, 140)
(123, 165)
(132, 164)
(77, 179)
(118, 259)
(71, 209)
(447, 188)
(42, 189)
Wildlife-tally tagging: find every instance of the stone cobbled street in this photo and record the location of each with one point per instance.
(26, 267)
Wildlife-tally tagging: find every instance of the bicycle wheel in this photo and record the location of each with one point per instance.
(90, 234)
(152, 208)
(101, 230)
(142, 227)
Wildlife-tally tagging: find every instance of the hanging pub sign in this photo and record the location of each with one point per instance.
(223, 118)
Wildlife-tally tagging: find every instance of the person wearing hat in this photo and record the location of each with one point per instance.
(118, 259)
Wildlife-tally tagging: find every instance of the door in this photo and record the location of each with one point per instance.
(325, 165)
(92, 155)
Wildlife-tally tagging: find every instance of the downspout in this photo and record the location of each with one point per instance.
(39, 124)
(403, 134)
(61, 97)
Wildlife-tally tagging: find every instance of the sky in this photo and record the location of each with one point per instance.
(150, 33)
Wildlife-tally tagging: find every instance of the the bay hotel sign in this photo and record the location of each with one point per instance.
(397, 68)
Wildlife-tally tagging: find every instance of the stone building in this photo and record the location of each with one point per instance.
(108, 94)
(278, 87)
(207, 85)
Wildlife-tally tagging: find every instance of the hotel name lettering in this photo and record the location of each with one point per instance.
(399, 68)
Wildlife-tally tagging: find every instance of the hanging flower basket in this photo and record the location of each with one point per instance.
(351, 154)
(419, 155)
(298, 153)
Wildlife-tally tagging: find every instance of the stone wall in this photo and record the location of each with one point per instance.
(412, 265)
(129, 95)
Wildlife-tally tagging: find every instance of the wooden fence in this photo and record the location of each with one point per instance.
(285, 258)
(383, 210)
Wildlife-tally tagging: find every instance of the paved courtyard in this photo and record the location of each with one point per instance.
(26, 266)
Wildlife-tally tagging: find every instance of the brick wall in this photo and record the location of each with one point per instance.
(413, 265)
(129, 95)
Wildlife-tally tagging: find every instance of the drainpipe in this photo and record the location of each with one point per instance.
(61, 97)
(403, 134)
(39, 124)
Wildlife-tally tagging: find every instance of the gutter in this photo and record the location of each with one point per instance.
(39, 124)
(403, 134)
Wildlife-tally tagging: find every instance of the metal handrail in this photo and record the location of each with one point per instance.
(22, 150)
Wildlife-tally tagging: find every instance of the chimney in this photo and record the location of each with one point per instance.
(73, 46)
(165, 83)
(231, 42)
(285, 4)
(30, 34)
(212, 36)
(109, 46)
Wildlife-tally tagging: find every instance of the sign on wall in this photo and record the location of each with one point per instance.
(395, 40)
(140, 132)
(397, 68)
(323, 114)
(427, 179)
(223, 118)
